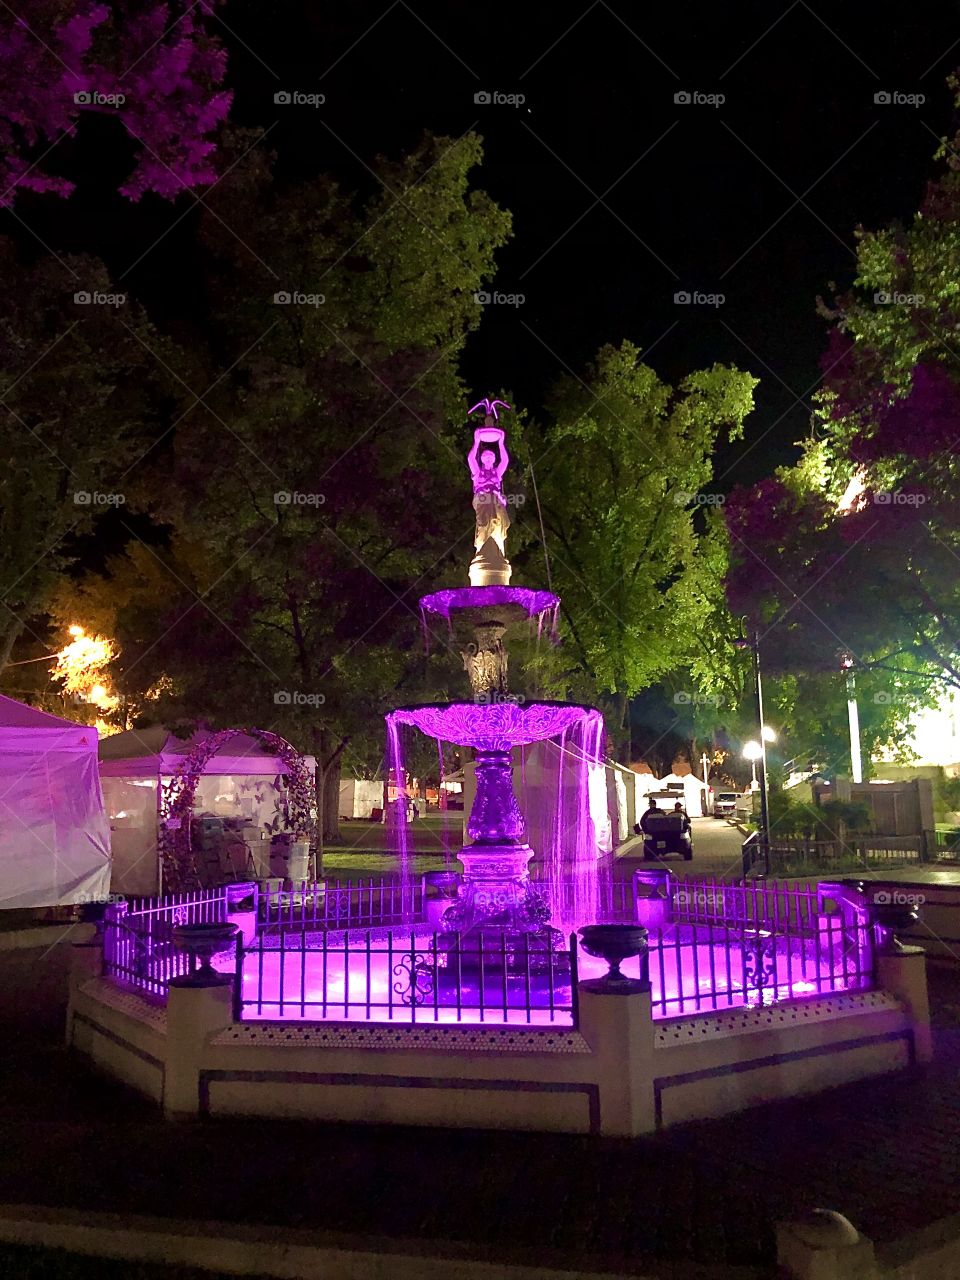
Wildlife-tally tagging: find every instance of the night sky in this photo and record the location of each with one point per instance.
(621, 196)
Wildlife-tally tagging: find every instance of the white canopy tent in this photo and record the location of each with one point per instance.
(54, 838)
(694, 791)
(236, 788)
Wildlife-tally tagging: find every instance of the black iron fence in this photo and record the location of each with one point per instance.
(340, 904)
(775, 905)
(780, 854)
(138, 947)
(496, 976)
(705, 967)
(348, 951)
(613, 900)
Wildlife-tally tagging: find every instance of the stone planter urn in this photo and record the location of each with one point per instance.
(202, 942)
(616, 943)
(891, 918)
(440, 890)
(298, 863)
(443, 884)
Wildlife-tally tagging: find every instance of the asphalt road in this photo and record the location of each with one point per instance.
(716, 852)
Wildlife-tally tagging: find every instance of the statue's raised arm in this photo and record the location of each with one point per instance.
(487, 468)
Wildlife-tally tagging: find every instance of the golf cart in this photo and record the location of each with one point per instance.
(665, 834)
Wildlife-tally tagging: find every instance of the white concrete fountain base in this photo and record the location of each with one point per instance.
(617, 1072)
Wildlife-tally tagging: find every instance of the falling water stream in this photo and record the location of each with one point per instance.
(564, 830)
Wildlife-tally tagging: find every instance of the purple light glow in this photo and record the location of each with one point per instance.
(396, 815)
(345, 988)
(523, 601)
(490, 726)
(489, 407)
(485, 468)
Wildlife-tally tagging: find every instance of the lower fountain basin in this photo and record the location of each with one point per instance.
(492, 726)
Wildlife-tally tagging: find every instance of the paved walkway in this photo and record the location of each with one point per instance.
(886, 1153)
(716, 852)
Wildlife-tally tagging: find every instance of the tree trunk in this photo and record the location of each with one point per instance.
(330, 828)
(328, 753)
(8, 639)
(617, 724)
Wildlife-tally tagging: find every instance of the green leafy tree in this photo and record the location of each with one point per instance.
(83, 400)
(316, 490)
(858, 548)
(621, 471)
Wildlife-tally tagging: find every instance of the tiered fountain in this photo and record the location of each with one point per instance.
(496, 893)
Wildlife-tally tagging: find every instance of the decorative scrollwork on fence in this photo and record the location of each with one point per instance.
(758, 961)
(337, 903)
(416, 979)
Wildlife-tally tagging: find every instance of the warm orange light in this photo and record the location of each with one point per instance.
(81, 668)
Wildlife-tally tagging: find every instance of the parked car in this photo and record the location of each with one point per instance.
(725, 804)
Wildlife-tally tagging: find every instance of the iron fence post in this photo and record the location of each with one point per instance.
(574, 983)
(238, 981)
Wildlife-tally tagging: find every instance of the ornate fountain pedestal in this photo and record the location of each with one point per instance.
(495, 865)
(500, 923)
(495, 880)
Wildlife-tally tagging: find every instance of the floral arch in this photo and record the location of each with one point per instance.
(177, 797)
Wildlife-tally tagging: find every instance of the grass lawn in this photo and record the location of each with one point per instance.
(428, 834)
(364, 848)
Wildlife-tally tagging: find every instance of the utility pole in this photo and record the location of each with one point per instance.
(853, 718)
(754, 646)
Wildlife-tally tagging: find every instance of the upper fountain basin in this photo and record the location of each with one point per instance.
(509, 604)
(492, 726)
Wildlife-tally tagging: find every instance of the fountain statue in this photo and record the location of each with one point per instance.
(496, 894)
(490, 566)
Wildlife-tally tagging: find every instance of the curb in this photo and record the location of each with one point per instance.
(46, 935)
(294, 1255)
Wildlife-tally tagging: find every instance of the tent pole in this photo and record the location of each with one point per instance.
(159, 852)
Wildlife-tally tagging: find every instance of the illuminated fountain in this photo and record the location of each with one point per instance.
(478, 1014)
(497, 892)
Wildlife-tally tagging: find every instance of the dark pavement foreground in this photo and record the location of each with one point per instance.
(885, 1153)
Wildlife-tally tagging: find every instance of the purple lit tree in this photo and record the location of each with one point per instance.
(155, 67)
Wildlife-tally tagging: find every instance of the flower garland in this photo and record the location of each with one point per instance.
(177, 798)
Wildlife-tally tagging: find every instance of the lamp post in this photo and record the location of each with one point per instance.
(753, 644)
(853, 718)
(752, 751)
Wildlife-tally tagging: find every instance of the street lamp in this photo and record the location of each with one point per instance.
(753, 644)
(752, 751)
